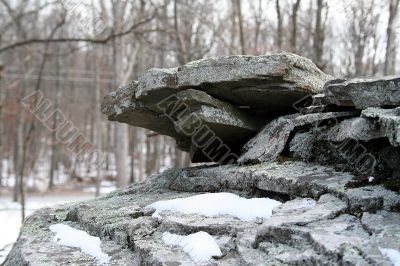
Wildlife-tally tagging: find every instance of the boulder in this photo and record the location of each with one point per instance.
(363, 92)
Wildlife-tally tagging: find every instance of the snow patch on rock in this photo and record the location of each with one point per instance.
(70, 237)
(200, 246)
(392, 254)
(216, 204)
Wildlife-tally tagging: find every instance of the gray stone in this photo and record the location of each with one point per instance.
(372, 199)
(302, 145)
(382, 222)
(272, 139)
(121, 106)
(266, 83)
(358, 145)
(364, 92)
(181, 116)
(388, 121)
(356, 128)
(302, 211)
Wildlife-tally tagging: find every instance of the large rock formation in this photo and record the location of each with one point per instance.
(233, 97)
(330, 157)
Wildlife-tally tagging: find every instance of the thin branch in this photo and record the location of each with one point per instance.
(90, 40)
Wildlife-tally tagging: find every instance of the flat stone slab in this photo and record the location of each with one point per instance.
(363, 92)
(357, 128)
(272, 139)
(267, 83)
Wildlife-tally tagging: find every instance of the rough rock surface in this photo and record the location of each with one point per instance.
(363, 93)
(321, 221)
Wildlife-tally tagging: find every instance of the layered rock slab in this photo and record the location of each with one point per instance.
(363, 92)
(180, 115)
(322, 229)
(267, 83)
(388, 121)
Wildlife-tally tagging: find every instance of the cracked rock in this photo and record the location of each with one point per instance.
(272, 139)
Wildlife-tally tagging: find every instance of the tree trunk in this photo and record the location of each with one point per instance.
(240, 20)
(390, 57)
(21, 161)
(53, 159)
(180, 53)
(232, 46)
(98, 124)
(293, 40)
(280, 24)
(2, 96)
(319, 35)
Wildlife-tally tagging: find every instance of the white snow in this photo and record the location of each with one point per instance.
(70, 237)
(104, 189)
(215, 204)
(370, 179)
(10, 216)
(200, 246)
(306, 203)
(392, 254)
(156, 215)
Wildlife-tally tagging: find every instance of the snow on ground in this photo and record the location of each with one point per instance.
(215, 204)
(392, 254)
(200, 246)
(106, 187)
(10, 216)
(70, 237)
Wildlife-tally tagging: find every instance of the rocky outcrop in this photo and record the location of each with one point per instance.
(329, 156)
(318, 221)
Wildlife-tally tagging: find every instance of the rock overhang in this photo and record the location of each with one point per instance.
(233, 96)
